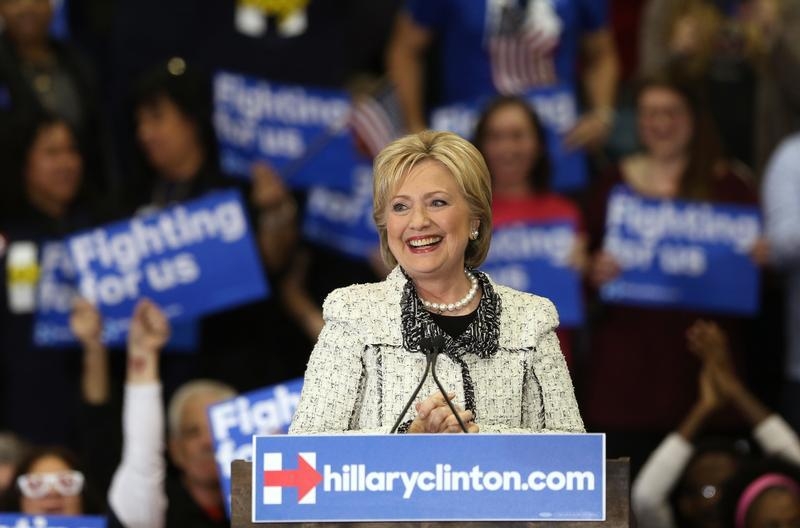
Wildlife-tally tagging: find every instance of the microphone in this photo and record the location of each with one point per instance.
(437, 345)
(425, 344)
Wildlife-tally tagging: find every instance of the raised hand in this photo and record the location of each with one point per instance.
(86, 323)
(268, 188)
(149, 332)
(707, 340)
(579, 255)
(760, 251)
(709, 343)
(710, 398)
(590, 131)
(149, 327)
(87, 326)
(603, 268)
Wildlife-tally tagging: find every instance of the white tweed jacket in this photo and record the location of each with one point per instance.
(359, 376)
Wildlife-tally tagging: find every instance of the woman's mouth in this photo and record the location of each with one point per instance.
(423, 244)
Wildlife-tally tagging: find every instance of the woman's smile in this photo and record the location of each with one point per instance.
(424, 244)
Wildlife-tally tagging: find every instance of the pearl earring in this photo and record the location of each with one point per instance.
(474, 234)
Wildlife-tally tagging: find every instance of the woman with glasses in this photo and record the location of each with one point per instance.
(49, 482)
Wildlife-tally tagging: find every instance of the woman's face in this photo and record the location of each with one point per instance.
(54, 168)
(192, 448)
(26, 21)
(56, 488)
(510, 146)
(428, 222)
(775, 508)
(665, 122)
(167, 136)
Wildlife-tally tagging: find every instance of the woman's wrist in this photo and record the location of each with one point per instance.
(694, 421)
(142, 366)
(277, 215)
(605, 114)
(93, 348)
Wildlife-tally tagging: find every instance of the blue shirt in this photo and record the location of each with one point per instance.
(475, 54)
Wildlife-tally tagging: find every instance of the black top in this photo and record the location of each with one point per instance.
(454, 325)
(183, 511)
(20, 103)
(39, 388)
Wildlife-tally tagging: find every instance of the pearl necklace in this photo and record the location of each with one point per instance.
(452, 307)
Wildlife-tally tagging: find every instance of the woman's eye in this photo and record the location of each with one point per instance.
(438, 202)
(398, 207)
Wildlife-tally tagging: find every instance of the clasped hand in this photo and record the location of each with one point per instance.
(435, 416)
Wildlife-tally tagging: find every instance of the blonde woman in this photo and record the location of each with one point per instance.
(501, 361)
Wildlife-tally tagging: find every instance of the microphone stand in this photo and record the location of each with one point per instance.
(437, 344)
(425, 342)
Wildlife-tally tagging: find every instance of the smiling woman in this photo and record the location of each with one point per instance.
(681, 159)
(428, 226)
(501, 361)
(49, 482)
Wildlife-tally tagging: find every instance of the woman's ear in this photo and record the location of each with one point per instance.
(473, 229)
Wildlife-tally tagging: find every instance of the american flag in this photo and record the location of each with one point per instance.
(376, 119)
(523, 39)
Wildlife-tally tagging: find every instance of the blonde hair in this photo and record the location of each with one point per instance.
(460, 158)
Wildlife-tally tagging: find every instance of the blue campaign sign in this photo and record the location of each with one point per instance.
(302, 132)
(534, 257)
(19, 520)
(191, 259)
(682, 254)
(557, 109)
(56, 291)
(342, 220)
(235, 421)
(59, 23)
(428, 477)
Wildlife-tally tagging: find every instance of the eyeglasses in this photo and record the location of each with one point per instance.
(37, 485)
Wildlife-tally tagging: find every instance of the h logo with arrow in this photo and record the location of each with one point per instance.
(305, 478)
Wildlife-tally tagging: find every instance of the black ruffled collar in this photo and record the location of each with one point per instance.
(481, 337)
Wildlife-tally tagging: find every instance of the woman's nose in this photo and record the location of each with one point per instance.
(419, 217)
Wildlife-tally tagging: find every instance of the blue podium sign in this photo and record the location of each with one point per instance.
(428, 477)
(18, 520)
(235, 421)
(682, 254)
(534, 258)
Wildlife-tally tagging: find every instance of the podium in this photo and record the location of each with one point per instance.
(617, 505)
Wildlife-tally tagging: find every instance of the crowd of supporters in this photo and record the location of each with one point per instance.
(107, 113)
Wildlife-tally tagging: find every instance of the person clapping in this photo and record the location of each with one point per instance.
(694, 472)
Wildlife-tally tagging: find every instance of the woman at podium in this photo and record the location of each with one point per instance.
(493, 349)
